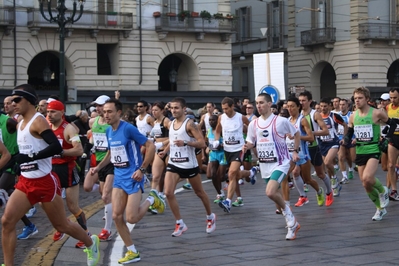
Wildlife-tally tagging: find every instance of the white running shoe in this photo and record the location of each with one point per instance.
(211, 224)
(291, 234)
(289, 219)
(379, 214)
(384, 198)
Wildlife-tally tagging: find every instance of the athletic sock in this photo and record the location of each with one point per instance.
(108, 216)
(298, 181)
(344, 175)
(132, 248)
(327, 182)
(373, 195)
(379, 186)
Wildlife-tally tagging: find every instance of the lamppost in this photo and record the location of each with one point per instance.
(62, 21)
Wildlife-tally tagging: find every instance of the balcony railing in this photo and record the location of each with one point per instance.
(317, 36)
(90, 20)
(378, 31)
(196, 25)
(7, 16)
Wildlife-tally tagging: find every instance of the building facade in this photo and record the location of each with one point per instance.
(336, 46)
(147, 50)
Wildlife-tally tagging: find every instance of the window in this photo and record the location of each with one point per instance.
(107, 63)
(322, 19)
(244, 23)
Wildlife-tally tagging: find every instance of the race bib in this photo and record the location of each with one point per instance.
(178, 154)
(290, 144)
(231, 138)
(100, 141)
(329, 137)
(364, 132)
(119, 157)
(267, 152)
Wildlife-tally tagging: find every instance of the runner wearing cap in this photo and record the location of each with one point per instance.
(393, 147)
(106, 174)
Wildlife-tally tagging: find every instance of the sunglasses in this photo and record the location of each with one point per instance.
(17, 99)
(140, 106)
(250, 108)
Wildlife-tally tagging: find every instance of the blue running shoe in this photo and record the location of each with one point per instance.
(32, 211)
(28, 231)
(337, 190)
(252, 176)
(225, 206)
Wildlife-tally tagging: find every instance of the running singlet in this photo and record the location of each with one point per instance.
(142, 125)
(393, 112)
(313, 126)
(182, 157)
(59, 133)
(269, 136)
(232, 132)
(124, 146)
(332, 133)
(340, 131)
(303, 147)
(9, 140)
(211, 138)
(28, 144)
(367, 133)
(99, 139)
(159, 130)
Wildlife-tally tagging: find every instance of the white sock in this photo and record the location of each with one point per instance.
(287, 203)
(229, 201)
(336, 166)
(180, 221)
(287, 209)
(344, 174)
(210, 217)
(108, 216)
(150, 199)
(132, 248)
(350, 169)
(242, 167)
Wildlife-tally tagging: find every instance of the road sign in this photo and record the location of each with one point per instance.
(272, 91)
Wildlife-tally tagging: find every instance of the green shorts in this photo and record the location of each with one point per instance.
(276, 176)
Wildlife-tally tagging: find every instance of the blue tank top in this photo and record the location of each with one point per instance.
(124, 145)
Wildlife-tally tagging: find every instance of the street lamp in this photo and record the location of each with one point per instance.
(62, 21)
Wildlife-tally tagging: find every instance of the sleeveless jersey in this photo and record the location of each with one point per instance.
(206, 122)
(142, 125)
(393, 112)
(9, 140)
(59, 133)
(232, 132)
(313, 126)
(367, 133)
(159, 130)
(124, 145)
(182, 157)
(340, 131)
(291, 142)
(332, 137)
(211, 138)
(99, 139)
(28, 144)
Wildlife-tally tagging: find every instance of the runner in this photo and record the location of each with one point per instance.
(268, 132)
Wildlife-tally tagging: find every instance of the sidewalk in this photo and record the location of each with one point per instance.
(342, 234)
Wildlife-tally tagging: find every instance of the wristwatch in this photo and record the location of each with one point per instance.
(296, 150)
(143, 170)
(185, 142)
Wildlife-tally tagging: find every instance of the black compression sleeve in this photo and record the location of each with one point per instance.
(54, 146)
(392, 126)
(349, 135)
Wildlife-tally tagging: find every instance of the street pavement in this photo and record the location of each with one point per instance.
(342, 234)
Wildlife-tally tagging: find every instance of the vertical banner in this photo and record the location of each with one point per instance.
(269, 75)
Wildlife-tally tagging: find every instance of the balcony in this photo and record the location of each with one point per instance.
(90, 20)
(379, 31)
(224, 27)
(7, 19)
(313, 37)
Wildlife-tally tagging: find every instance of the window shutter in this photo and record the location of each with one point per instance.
(238, 25)
(281, 21)
(269, 23)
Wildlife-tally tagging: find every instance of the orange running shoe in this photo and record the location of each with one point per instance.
(105, 235)
(329, 199)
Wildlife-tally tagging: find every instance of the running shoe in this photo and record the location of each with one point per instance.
(179, 229)
(314, 174)
(32, 211)
(152, 210)
(291, 185)
(289, 219)
(130, 257)
(238, 203)
(63, 193)
(28, 231)
(80, 244)
(225, 206)
(105, 235)
(278, 211)
(187, 186)
(252, 176)
(379, 214)
(337, 190)
(219, 198)
(384, 198)
(344, 180)
(305, 188)
(302, 201)
(329, 199)
(226, 186)
(58, 236)
(211, 224)
(93, 252)
(241, 182)
(334, 182)
(355, 168)
(158, 204)
(394, 195)
(291, 235)
(350, 175)
(336, 168)
(321, 197)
